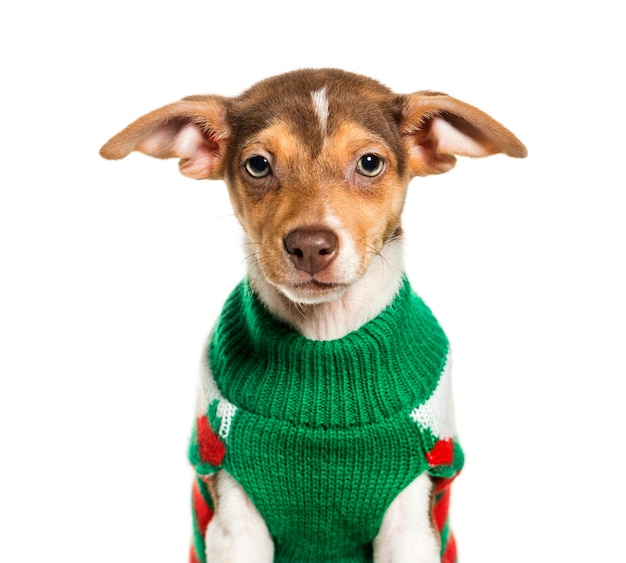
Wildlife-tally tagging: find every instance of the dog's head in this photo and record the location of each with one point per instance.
(317, 163)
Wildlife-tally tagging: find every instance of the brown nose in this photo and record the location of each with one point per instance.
(309, 250)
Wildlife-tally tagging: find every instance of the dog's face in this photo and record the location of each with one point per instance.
(318, 180)
(317, 164)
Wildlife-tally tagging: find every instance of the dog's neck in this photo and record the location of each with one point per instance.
(358, 304)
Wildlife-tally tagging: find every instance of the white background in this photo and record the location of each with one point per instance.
(112, 273)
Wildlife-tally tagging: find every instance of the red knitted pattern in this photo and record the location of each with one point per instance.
(440, 515)
(441, 454)
(193, 558)
(210, 447)
(441, 508)
(201, 509)
(449, 555)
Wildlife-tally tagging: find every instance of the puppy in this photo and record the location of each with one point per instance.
(324, 429)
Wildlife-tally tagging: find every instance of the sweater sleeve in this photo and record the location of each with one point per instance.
(445, 458)
(206, 449)
(435, 418)
(214, 415)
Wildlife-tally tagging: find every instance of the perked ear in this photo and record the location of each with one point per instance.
(195, 130)
(436, 127)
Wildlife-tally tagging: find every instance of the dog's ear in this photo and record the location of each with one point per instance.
(436, 127)
(195, 130)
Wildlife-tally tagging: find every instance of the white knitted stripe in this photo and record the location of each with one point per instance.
(226, 411)
(437, 413)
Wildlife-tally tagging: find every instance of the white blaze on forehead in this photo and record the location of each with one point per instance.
(320, 104)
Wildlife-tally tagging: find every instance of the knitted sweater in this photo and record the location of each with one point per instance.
(323, 435)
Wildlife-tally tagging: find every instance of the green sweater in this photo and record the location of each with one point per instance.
(323, 435)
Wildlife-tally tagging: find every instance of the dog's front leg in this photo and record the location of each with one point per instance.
(407, 534)
(237, 532)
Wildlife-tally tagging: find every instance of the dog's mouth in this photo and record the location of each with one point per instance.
(316, 284)
(313, 291)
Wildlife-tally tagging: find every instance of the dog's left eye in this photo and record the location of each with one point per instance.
(370, 165)
(258, 166)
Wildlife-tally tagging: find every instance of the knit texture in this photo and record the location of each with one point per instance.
(323, 435)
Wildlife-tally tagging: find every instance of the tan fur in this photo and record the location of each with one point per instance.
(305, 189)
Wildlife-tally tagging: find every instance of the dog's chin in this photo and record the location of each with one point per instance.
(313, 292)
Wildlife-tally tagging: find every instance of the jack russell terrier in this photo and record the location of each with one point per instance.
(324, 429)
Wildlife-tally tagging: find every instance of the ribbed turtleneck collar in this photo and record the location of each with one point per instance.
(388, 366)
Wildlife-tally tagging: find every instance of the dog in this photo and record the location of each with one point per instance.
(324, 429)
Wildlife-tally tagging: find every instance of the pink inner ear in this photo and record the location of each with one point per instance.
(200, 166)
(196, 151)
(159, 142)
(189, 141)
(450, 140)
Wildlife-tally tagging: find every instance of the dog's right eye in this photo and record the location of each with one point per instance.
(258, 166)
(370, 165)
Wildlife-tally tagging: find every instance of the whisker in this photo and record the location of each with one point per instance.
(298, 308)
(380, 255)
(250, 243)
(251, 258)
